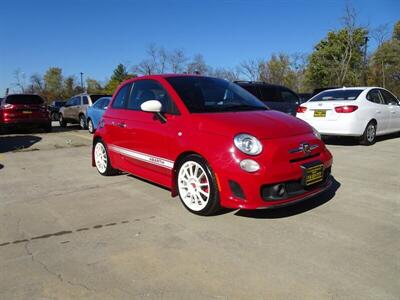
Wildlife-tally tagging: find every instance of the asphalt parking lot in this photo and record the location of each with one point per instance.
(67, 233)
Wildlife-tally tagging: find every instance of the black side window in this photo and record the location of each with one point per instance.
(270, 94)
(289, 96)
(251, 89)
(85, 100)
(374, 96)
(76, 101)
(389, 98)
(70, 102)
(122, 97)
(144, 90)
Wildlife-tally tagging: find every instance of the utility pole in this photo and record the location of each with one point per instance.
(82, 81)
(365, 60)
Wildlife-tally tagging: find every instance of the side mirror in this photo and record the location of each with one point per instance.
(151, 106)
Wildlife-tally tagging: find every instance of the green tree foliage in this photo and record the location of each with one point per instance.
(396, 31)
(93, 86)
(53, 83)
(338, 59)
(385, 63)
(119, 75)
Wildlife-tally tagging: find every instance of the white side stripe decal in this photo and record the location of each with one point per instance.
(154, 160)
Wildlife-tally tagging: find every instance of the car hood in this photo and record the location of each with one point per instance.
(262, 124)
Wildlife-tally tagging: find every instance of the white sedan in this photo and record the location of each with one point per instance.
(364, 112)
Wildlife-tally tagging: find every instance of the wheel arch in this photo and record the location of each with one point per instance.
(178, 160)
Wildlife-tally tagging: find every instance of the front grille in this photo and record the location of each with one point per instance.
(292, 188)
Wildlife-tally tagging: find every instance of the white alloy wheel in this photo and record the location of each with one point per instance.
(193, 185)
(100, 158)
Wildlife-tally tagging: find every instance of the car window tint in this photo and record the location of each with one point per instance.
(24, 99)
(122, 96)
(77, 101)
(388, 97)
(85, 100)
(145, 90)
(335, 95)
(98, 104)
(251, 89)
(289, 96)
(106, 101)
(374, 96)
(270, 94)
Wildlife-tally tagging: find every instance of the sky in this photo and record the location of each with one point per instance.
(93, 36)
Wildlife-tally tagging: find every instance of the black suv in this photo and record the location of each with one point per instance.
(54, 109)
(274, 96)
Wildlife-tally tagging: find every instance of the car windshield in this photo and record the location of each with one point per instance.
(24, 99)
(207, 94)
(337, 95)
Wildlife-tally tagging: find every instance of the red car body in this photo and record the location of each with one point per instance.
(24, 110)
(140, 143)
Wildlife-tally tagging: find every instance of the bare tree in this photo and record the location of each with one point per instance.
(251, 69)
(380, 34)
(343, 61)
(198, 65)
(145, 67)
(225, 73)
(20, 80)
(37, 84)
(177, 61)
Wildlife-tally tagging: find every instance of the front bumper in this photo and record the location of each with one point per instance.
(242, 190)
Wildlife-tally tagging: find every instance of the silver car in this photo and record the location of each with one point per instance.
(75, 108)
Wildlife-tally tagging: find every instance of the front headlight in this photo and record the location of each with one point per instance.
(247, 144)
(316, 133)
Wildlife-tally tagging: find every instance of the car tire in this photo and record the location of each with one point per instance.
(54, 116)
(90, 126)
(369, 136)
(197, 186)
(102, 159)
(82, 122)
(62, 121)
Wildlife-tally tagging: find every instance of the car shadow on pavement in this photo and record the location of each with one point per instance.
(17, 142)
(353, 141)
(295, 209)
(1, 166)
(68, 128)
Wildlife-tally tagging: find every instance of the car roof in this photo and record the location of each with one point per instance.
(354, 88)
(243, 82)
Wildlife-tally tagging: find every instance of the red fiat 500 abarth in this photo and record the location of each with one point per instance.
(210, 142)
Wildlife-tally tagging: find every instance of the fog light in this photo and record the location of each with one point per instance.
(249, 165)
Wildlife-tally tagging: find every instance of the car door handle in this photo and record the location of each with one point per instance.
(378, 111)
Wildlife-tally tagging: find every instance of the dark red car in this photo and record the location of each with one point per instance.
(210, 142)
(26, 110)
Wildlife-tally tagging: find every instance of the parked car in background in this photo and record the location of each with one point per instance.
(95, 112)
(210, 142)
(74, 110)
(362, 112)
(319, 90)
(24, 110)
(304, 97)
(54, 109)
(275, 97)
